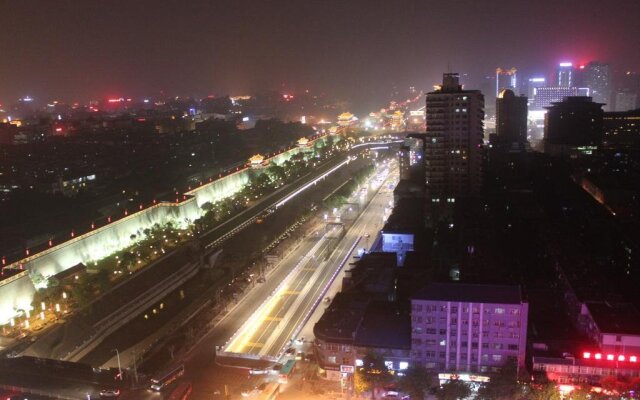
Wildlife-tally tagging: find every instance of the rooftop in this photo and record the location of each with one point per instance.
(471, 293)
(621, 318)
(406, 217)
(341, 319)
(384, 325)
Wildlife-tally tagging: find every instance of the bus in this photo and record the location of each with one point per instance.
(270, 392)
(181, 392)
(167, 378)
(286, 371)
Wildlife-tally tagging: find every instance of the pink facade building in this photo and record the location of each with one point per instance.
(470, 328)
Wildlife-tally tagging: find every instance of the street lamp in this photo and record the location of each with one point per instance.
(119, 365)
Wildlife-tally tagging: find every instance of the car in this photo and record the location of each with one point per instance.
(300, 340)
(367, 235)
(327, 299)
(299, 355)
(257, 371)
(109, 393)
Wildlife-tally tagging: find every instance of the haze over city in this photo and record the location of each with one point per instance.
(357, 50)
(320, 200)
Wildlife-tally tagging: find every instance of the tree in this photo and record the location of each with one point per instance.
(547, 391)
(374, 372)
(581, 394)
(614, 384)
(208, 206)
(503, 385)
(417, 380)
(128, 259)
(454, 390)
(276, 173)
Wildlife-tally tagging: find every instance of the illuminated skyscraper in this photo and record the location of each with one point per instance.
(544, 96)
(453, 153)
(565, 75)
(534, 83)
(506, 79)
(597, 77)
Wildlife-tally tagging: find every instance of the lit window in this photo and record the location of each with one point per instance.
(610, 357)
(403, 365)
(359, 363)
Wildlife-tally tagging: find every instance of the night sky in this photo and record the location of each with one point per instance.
(355, 49)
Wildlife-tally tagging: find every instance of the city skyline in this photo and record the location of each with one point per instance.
(96, 51)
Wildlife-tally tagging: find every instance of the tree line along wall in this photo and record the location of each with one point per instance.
(17, 292)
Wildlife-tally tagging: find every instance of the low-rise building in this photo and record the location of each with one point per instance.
(468, 327)
(614, 327)
(403, 228)
(588, 370)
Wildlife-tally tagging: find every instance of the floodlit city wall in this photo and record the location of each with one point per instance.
(101, 242)
(16, 293)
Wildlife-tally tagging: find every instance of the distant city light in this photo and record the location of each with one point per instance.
(566, 64)
(537, 80)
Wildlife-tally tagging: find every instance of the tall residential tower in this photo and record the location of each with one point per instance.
(453, 146)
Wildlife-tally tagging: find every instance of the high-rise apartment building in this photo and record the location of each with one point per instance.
(597, 77)
(573, 122)
(468, 327)
(506, 79)
(628, 88)
(511, 117)
(453, 145)
(565, 75)
(626, 100)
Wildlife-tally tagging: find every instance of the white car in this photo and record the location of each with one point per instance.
(257, 371)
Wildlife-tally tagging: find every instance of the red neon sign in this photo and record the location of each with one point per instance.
(587, 355)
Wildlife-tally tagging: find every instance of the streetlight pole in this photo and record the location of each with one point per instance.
(119, 365)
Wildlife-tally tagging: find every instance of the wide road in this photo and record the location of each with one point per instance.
(276, 322)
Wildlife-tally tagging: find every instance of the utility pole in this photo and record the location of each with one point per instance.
(119, 365)
(135, 365)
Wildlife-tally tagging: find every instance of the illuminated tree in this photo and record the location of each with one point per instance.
(374, 372)
(503, 385)
(454, 390)
(361, 385)
(417, 380)
(547, 391)
(276, 173)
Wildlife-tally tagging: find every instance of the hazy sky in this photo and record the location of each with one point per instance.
(356, 49)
